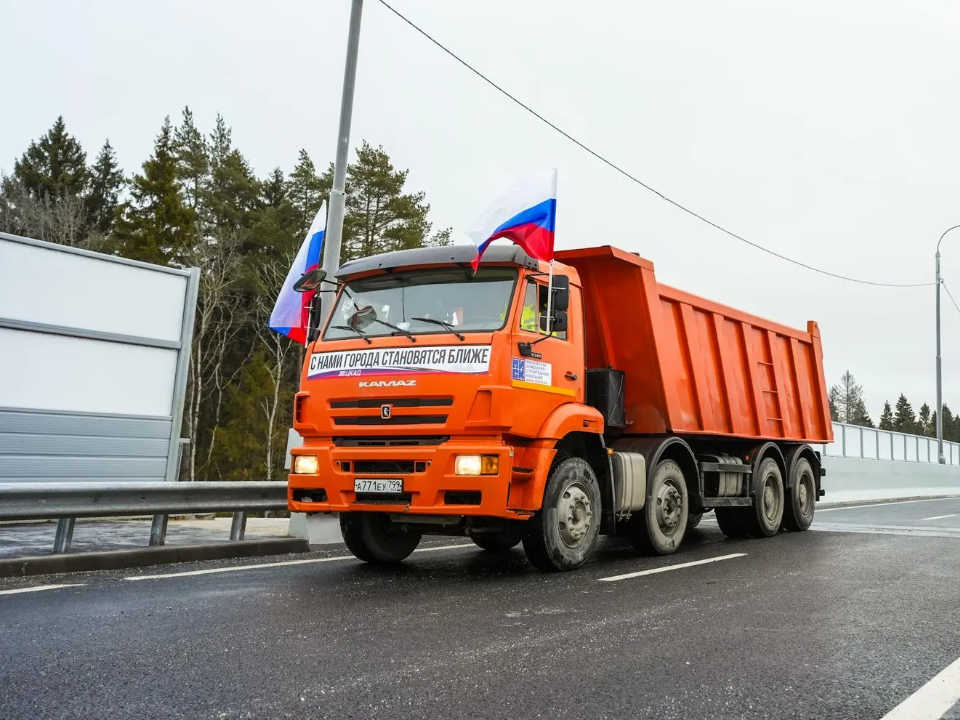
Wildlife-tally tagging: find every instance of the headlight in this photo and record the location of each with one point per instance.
(305, 464)
(477, 465)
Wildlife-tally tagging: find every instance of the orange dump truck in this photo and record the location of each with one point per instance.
(435, 401)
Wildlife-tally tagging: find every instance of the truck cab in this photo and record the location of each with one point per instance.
(439, 400)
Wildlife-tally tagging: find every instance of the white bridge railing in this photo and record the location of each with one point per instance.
(853, 441)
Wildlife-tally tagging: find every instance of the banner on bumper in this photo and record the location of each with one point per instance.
(466, 360)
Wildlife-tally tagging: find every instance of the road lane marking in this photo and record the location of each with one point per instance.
(933, 700)
(310, 561)
(38, 588)
(891, 502)
(939, 517)
(668, 568)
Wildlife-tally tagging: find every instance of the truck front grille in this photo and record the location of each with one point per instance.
(400, 402)
(408, 441)
(391, 421)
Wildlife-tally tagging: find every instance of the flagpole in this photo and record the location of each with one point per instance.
(550, 299)
(334, 233)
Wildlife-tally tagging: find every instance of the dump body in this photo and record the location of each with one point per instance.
(693, 366)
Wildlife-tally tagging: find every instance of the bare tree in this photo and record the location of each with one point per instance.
(278, 350)
(62, 220)
(219, 319)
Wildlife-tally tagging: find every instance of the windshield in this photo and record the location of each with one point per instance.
(423, 302)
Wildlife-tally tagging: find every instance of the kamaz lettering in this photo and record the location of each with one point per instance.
(387, 383)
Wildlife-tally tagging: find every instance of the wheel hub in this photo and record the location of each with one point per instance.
(771, 501)
(669, 506)
(805, 495)
(575, 515)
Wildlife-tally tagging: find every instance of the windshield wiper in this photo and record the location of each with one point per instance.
(448, 326)
(398, 329)
(361, 333)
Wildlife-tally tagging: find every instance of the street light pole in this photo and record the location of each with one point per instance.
(334, 234)
(941, 459)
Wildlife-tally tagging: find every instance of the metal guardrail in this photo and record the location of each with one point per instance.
(66, 502)
(854, 441)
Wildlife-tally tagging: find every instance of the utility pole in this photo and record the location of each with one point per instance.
(334, 235)
(941, 459)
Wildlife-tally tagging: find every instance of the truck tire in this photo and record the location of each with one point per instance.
(693, 519)
(766, 515)
(373, 538)
(662, 524)
(801, 498)
(563, 534)
(733, 522)
(500, 542)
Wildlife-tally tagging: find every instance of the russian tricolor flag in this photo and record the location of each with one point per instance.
(525, 214)
(291, 313)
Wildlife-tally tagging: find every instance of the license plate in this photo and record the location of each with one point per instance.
(377, 486)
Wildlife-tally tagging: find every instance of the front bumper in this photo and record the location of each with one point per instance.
(430, 486)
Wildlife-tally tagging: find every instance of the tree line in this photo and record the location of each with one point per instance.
(196, 202)
(847, 406)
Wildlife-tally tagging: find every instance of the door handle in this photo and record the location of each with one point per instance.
(570, 376)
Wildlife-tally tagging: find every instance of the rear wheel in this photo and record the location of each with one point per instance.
(733, 522)
(563, 534)
(693, 519)
(374, 538)
(767, 511)
(801, 498)
(663, 523)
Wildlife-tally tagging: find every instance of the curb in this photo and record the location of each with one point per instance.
(885, 501)
(142, 557)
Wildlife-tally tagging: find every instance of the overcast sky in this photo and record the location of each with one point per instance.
(827, 131)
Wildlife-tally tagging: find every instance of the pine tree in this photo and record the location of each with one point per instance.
(951, 425)
(155, 225)
(103, 191)
(306, 191)
(233, 190)
(904, 419)
(886, 417)
(835, 404)
(193, 159)
(380, 216)
(847, 398)
(924, 427)
(53, 167)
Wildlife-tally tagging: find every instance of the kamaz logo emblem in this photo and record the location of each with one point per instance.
(387, 383)
(386, 411)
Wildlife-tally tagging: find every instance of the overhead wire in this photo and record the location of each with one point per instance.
(633, 178)
(950, 295)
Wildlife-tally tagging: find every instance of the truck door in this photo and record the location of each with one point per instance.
(554, 373)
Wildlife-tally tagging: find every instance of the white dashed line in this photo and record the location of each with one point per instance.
(668, 568)
(311, 561)
(38, 588)
(933, 700)
(939, 517)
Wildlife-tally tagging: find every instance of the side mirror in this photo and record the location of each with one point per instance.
(561, 293)
(559, 323)
(363, 317)
(310, 280)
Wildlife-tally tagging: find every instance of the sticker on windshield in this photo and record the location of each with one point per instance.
(465, 360)
(532, 371)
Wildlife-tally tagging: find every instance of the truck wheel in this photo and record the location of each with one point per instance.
(801, 500)
(663, 523)
(373, 538)
(693, 519)
(733, 522)
(500, 542)
(563, 534)
(767, 513)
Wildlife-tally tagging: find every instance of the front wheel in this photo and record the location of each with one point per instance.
(374, 538)
(563, 534)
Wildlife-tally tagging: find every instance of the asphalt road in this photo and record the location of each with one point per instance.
(842, 622)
